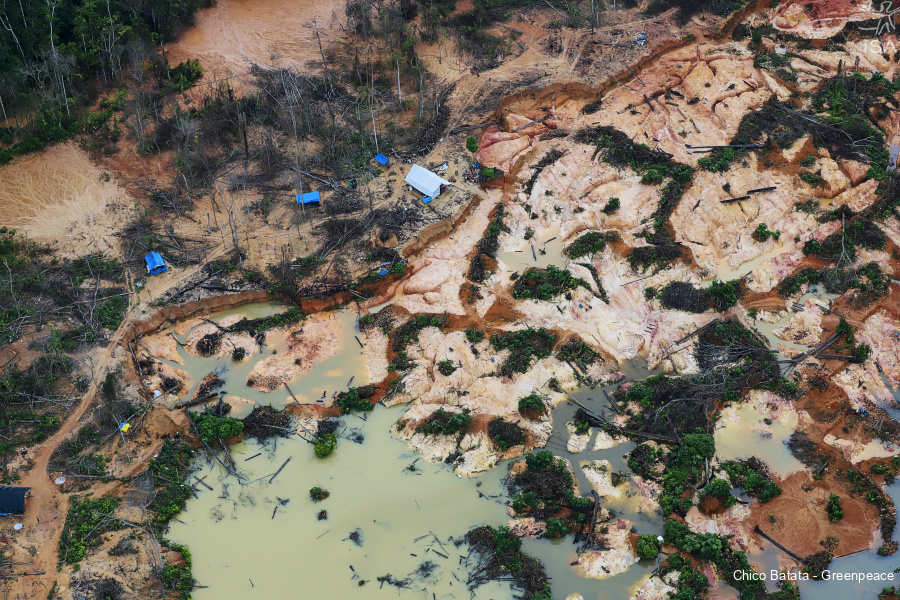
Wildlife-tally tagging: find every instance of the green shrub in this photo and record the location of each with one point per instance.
(612, 206)
(648, 547)
(326, 444)
(445, 422)
(835, 513)
(318, 494)
(352, 400)
(86, 520)
(589, 243)
(724, 294)
(212, 428)
(446, 367)
(471, 144)
(474, 335)
(556, 527)
(762, 233)
(532, 403)
(717, 488)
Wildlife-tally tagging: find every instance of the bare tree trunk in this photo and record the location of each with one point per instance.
(324, 62)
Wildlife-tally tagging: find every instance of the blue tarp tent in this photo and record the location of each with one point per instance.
(382, 159)
(383, 272)
(427, 199)
(12, 500)
(155, 264)
(308, 199)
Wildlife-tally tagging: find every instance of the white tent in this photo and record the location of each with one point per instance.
(425, 181)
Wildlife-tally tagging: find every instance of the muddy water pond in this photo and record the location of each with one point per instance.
(320, 384)
(389, 514)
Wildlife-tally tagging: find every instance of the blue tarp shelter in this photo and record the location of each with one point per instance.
(12, 500)
(155, 264)
(382, 159)
(427, 199)
(308, 199)
(383, 272)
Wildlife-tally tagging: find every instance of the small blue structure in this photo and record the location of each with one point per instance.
(155, 264)
(308, 199)
(427, 199)
(383, 272)
(382, 159)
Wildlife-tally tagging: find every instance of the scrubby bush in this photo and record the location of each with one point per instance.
(326, 444)
(532, 404)
(318, 494)
(612, 206)
(648, 547)
(471, 144)
(446, 367)
(835, 512)
(556, 527)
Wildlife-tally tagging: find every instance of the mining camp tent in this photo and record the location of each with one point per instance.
(308, 199)
(155, 263)
(425, 181)
(12, 500)
(382, 159)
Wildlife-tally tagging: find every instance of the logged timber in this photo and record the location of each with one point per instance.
(535, 122)
(738, 199)
(590, 532)
(700, 329)
(851, 359)
(756, 529)
(196, 401)
(760, 190)
(471, 127)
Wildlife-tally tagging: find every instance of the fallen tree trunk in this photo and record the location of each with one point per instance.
(756, 529)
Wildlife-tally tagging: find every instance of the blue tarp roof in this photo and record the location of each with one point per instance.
(381, 158)
(155, 263)
(308, 198)
(383, 272)
(427, 199)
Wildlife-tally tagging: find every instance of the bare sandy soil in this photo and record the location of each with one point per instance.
(61, 197)
(234, 34)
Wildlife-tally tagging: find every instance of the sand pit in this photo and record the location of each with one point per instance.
(231, 35)
(60, 197)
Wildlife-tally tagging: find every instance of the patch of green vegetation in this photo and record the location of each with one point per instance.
(648, 547)
(730, 563)
(719, 488)
(474, 335)
(524, 345)
(408, 334)
(834, 510)
(590, 243)
(752, 475)
(256, 326)
(546, 284)
(325, 444)
(471, 144)
(532, 404)
(808, 162)
(169, 474)
(318, 494)
(812, 179)
(719, 160)
(809, 207)
(488, 246)
(86, 521)
(556, 528)
(762, 233)
(355, 399)
(443, 422)
(213, 428)
(612, 206)
(178, 578)
(724, 294)
(446, 367)
(681, 295)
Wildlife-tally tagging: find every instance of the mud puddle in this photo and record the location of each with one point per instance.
(270, 535)
(752, 436)
(536, 252)
(334, 374)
